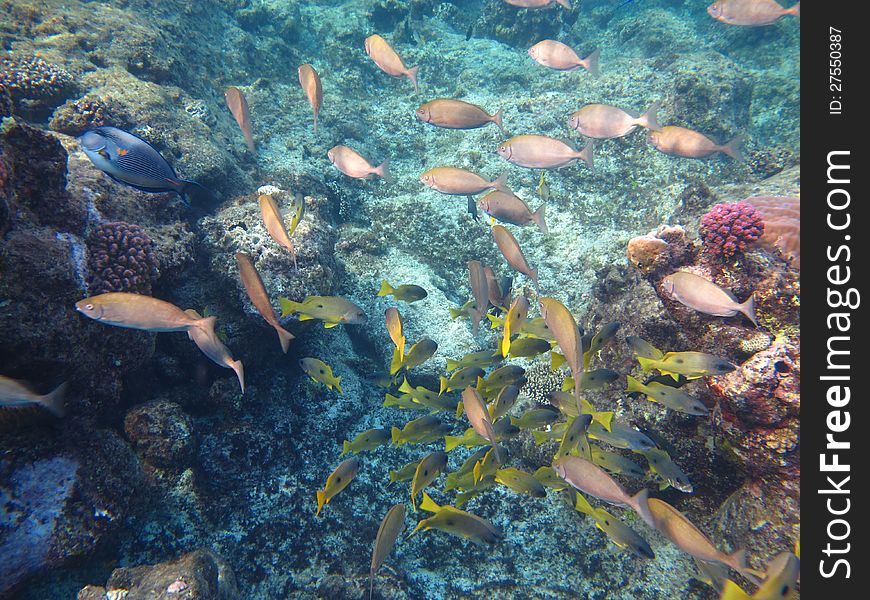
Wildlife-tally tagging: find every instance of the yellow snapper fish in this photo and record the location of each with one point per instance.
(406, 473)
(487, 466)
(428, 470)
(565, 403)
(337, 481)
(453, 479)
(471, 439)
(643, 349)
(460, 379)
(14, 393)
(621, 436)
(420, 431)
(404, 293)
(592, 380)
(673, 398)
(135, 311)
(366, 441)
(691, 365)
(427, 397)
(403, 401)
(528, 347)
(332, 310)
(502, 404)
(416, 355)
(321, 372)
(535, 418)
(462, 312)
(780, 581)
(667, 471)
(516, 317)
(604, 335)
(457, 522)
(394, 328)
(616, 463)
(574, 432)
(520, 482)
(619, 533)
(499, 378)
(484, 358)
(549, 478)
(462, 498)
(215, 350)
(389, 531)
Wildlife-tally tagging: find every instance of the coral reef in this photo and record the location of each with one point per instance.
(121, 258)
(75, 117)
(728, 229)
(668, 246)
(34, 84)
(162, 434)
(782, 225)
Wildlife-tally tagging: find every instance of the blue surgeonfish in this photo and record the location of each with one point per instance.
(130, 160)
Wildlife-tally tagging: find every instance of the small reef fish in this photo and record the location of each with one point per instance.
(130, 160)
(478, 416)
(592, 380)
(462, 498)
(674, 525)
(574, 432)
(460, 379)
(321, 372)
(480, 291)
(420, 431)
(463, 312)
(598, 341)
(535, 418)
(487, 466)
(457, 522)
(495, 297)
(337, 481)
(388, 60)
(394, 328)
(428, 470)
(136, 311)
(214, 349)
(528, 347)
(471, 439)
(456, 114)
(502, 404)
(562, 325)
(667, 471)
(548, 477)
(604, 122)
(405, 402)
(509, 208)
(483, 358)
(14, 393)
(543, 188)
(593, 480)
(351, 163)
(459, 182)
(561, 57)
(616, 463)
(539, 3)
(520, 482)
(513, 254)
(643, 349)
(686, 143)
(238, 105)
(621, 436)
(332, 310)
(310, 82)
(751, 12)
(260, 298)
(298, 207)
(619, 533)
(514, 321)
(427, 397)
(542, 152)
(567, 404)
(404, 293)
(389, 531)
(555, 433)
(454, 480)
(366, 441)
(416, 355)
(691, 365)
(705, 296)
(673, 398)
(499, 378)
(406, 473)
(274, 223)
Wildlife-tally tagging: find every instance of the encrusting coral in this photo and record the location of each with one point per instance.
(782, 225)
(121, 259)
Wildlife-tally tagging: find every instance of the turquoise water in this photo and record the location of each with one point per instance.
(165, 453)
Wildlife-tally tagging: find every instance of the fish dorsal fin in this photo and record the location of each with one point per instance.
(428, 504)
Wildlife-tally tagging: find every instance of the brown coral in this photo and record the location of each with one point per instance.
(782, 225)
(77, 116)
(33, 83)
(668, 245)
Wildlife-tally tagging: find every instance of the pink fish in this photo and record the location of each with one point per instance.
(239, 107)
(310, 82)
(456, 114)
(349, 162)
(542, 152)
(751, 12)
(557, 55)
(538, 3)
(679, 141)
(602, 121)
(388, 60)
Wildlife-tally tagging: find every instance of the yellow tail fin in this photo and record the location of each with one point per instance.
(386, 289)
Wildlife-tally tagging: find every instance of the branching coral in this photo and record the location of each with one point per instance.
(121, 259)
(728, 229)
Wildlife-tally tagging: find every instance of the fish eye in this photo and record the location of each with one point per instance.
(89, 307)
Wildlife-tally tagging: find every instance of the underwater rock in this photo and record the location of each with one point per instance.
(198, 575)
(75, 117)
(162, 433)
(34, 84)
(522, 27)
(668, 246)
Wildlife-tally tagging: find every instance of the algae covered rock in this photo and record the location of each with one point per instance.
(162, 433)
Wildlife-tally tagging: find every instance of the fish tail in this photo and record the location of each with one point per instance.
(386, 289)
(443, 384)
(452, 364)
(288, 306)
(540, 437)
(633, 384)
(428, 504)
(401, 349)
(345, 448)
(648, 119)
(592, 63)
(586, 155)
(748, 309)
(645, 363)
(500, 183)
(494, 321)
(237, 366)
(207, 325)
(412, 75)
(396, 362)
(284, 337)
(538, 218)
(496, 118)
(732, 591)
(53, 401)
(315, 123)
(405, 388)
(186, 187)
(640, 504)
(337, 384)
(451, 442)
(396, 434)
(384, 171)
(794, 10)
(321, 500)
(732, 148)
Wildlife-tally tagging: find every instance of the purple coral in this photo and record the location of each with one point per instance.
(121, 259)
(729, 228)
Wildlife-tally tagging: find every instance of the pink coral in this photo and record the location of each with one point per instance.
(782, 225)
(729, 228)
